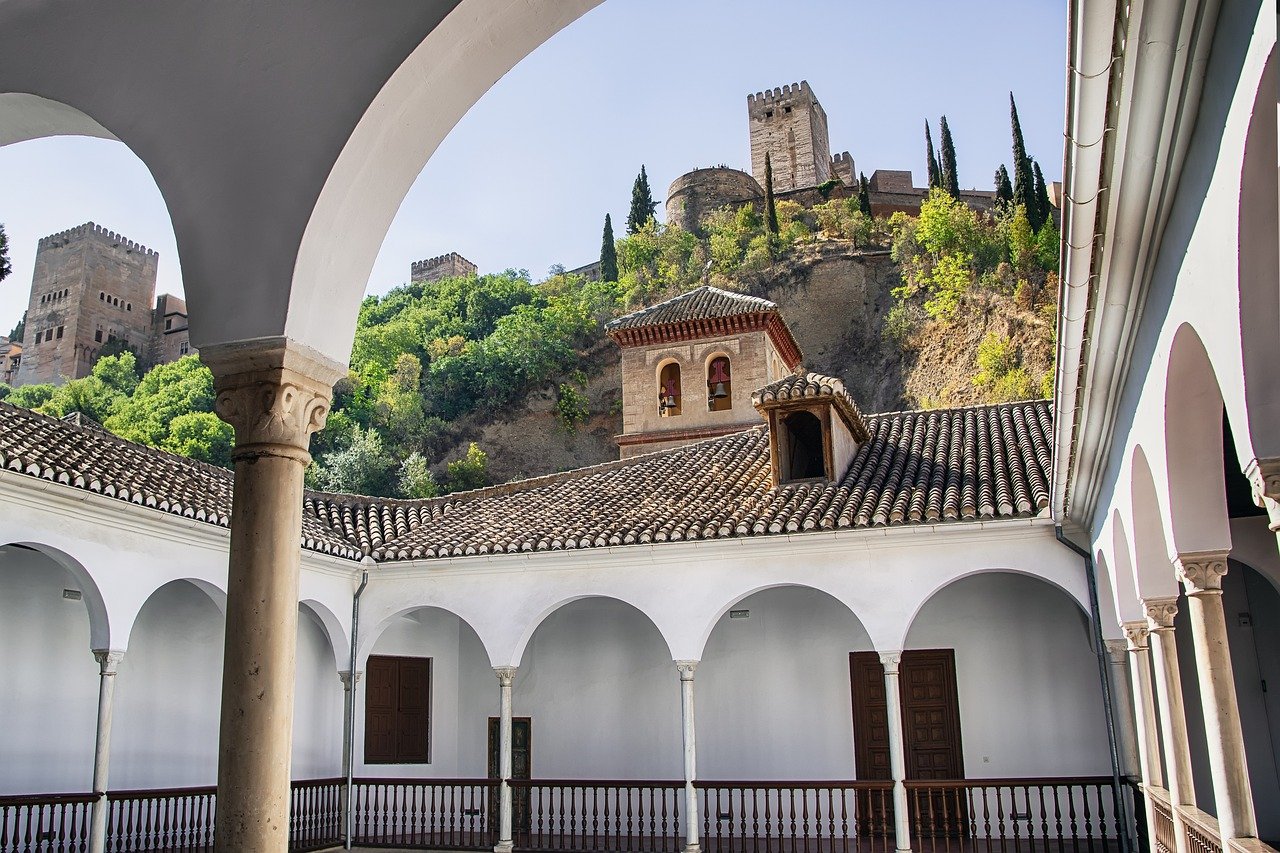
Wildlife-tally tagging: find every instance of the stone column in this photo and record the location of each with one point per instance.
(1145, 712)
(691, 842)
(1126, 725)
(897, 749)
(348, 714)
(1201, 575)
(275, 394)
(1264, 476)
(1173, 717)
(506, 675)
(108, 664)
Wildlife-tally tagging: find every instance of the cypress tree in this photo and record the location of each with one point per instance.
(864, 195)
(950, 180)
(1004, 189)
(1042, 198)
(642, 203)
(770, 207)
(1024, 190)
(608, 253)
(935, 175)
(5, 266)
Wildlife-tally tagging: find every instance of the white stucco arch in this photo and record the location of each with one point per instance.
(532, 626)
(1152, 570)
(213, 592)
(334, 631)
(369, 636)
(1124, 585)
(716, 618)
(99, 619)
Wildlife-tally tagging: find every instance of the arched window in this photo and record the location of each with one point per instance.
(803, 453)
(719, 385)
(669, 390)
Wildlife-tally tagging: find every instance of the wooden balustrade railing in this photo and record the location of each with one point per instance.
(49, 823)
(434, 814)
(592, 815)
(763, 817)
(1012, 815)
(315, 814)
(170, 819)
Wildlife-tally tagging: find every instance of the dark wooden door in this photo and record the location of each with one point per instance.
(521, 767)
(397, 710)
(930, 729)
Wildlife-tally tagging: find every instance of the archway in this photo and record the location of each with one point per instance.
(773, 687)
(1027, 678)
(1153, 573)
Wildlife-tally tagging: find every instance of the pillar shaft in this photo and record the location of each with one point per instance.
(275, 395)
(506, 675)
(691, 838)
(349, 682)
(1173, 717)
(897, 749)
(1201, 575)
(108, 664)
(1148, 734)
(1126, 724)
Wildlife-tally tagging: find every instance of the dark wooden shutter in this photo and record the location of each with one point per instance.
(414, 720)
(397, 715)
(380, 697)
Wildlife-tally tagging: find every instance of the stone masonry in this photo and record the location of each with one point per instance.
(791, 125)
(91, 286)
(451, 265)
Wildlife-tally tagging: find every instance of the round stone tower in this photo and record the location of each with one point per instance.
(695, 194)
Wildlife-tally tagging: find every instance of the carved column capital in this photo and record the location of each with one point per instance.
(1138, 635)
(275, 394)
(1264, 477)
(686, 668)
(1201, 573)
(108, 660)
(1160, 613)
(891, 661)
(506, 674)
(344, 675)
(1116, 650)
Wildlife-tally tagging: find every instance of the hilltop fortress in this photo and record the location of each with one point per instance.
(790, 125)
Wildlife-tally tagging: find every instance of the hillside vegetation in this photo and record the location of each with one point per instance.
(466, 381)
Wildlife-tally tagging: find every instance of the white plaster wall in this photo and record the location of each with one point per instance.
(459, 714)
(1030, 702)
(772, 690)
(48, 706)
(168, 693)
(603, 694)
(317, 708)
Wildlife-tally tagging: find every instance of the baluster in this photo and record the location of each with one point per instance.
(1088, 823)
(706, 816)
(1071, 818)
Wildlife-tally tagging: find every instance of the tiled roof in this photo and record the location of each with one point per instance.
(701, 303)
(800, 386)
(916, 467)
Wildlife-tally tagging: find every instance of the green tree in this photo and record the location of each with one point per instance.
(20, 329)
(469, 472)
(642, 203)
(608, 252)
(1004, 188)
(119, 372)
(931, 159)
(361, 468)
(31, 396)
(1044, 211)
(1024, 189)
(5, 266)
(416, 479)
(167, 391)
(5, 391)
(950, 178)
(117, 346)
(202, 436)
(864, 195)
(89, 396)
(770, 205)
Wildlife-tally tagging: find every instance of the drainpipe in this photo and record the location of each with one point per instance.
(1104, 677)
(349, 711)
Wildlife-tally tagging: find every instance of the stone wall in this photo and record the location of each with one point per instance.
(170, 335)
(451, 265)
(695, 194)
(90, 286)
(791, 125)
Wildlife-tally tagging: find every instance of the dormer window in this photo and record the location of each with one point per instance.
(802, 447)
(719, 385)
(815, 428)
(669, 390)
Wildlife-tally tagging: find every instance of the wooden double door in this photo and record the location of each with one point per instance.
(930, 725)
(521, 767)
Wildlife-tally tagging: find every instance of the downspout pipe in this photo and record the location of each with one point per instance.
(1104, 677)
(349, 715)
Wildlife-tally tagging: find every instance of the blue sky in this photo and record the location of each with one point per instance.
(526, 177)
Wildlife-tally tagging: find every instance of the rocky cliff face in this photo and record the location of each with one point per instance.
(836, 299)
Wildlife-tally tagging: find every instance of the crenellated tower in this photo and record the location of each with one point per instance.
(791, 126)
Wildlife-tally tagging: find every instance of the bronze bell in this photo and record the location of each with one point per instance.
(719, 390)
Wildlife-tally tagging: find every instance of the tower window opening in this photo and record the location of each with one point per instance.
(669, 390)
(787, 110)
(768, 114)
(60, 329)
(719, 385)
(102, 296)
(802, 446)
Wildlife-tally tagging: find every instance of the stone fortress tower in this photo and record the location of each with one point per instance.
(791, 126)
(451, 265)
(91, 286)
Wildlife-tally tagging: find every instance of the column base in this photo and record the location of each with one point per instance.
(903, 850)
(503, 847)
(691, 848)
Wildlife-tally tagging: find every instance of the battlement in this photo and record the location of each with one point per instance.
(842, 157)
(441, 266)
(91, 230)
(770, 97)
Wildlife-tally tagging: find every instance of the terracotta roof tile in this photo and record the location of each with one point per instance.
(801, 385)
(701, 303)
(914, 467)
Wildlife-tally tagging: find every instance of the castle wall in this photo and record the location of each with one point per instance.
(791, 125)
(90, 285)
(695, 194)
(451, 265)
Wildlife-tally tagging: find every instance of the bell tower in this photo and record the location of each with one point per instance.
(690, 365)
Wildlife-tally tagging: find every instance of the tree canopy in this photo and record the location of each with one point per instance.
(608, 252)
(950, 177)
(642, 203)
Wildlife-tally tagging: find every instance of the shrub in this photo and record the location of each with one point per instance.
(416, 479)
(572, 406)
(469, 472)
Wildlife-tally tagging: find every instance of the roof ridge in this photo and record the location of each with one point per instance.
(1023, 402)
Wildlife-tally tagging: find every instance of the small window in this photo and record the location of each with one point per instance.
(184, 348)
(768, 114)
(48, 335)
(669, 390)
(787, 110)
(168, 324)
(60, 328)
(102, 296)
(719, 385)
(97, 336)
(397, 710)
(128, 306)
(802, 448)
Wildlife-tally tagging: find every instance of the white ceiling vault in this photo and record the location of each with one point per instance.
(283, 135)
